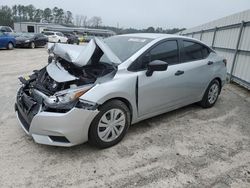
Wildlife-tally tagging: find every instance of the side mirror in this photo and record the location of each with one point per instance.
(156, 65)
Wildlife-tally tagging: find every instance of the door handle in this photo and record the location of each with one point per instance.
(210, 63)
(179, 72)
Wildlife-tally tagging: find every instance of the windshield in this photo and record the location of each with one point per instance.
(125, 46)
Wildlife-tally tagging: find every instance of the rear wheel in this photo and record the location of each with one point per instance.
(110, 125)
(59, 41)
(32, 45)
(10, 46)
(211, 95)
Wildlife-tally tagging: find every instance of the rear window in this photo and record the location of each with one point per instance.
(193, 51)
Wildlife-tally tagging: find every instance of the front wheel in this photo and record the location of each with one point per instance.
(32, 45)
(110, 125)
(211, 95)
(10, 46)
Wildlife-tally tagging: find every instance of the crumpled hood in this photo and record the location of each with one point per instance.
(81, 55)
(78, 55)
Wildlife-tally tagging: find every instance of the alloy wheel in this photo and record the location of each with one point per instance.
(213, 93)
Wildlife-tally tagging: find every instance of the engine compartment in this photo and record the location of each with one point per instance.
(88, 74)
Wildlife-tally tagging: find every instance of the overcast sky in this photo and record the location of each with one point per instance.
(145, 13)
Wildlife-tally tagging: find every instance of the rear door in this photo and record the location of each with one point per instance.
(196, 67)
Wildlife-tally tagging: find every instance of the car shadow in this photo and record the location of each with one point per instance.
(141, 127)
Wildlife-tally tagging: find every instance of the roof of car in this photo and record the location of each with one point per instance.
(155, 35)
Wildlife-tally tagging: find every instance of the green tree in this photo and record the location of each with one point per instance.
(47, 14)
(6, 16)
(150, 30)
(38, 15)
(69, 17)
(31, 12)
(60, 16)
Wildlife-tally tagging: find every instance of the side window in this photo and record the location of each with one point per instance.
(7, 29)
(167, 51)
(193, 51)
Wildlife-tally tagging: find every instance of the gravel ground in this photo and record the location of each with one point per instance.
(189, 147)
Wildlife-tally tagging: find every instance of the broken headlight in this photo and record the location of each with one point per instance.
(67, 98)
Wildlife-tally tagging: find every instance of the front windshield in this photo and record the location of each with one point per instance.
(125, 46)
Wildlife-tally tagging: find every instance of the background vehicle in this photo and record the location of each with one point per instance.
(7, 41)
(94, 92)
(72, 39)
(30, 40)
(6, 29)
(55, 36)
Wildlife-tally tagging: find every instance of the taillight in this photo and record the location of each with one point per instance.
(225, 62)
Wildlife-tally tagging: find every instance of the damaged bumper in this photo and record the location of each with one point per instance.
(54, 128)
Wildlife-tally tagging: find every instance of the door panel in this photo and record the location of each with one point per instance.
(166, 89)
(158, 91)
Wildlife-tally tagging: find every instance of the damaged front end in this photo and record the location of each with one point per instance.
(57, 88)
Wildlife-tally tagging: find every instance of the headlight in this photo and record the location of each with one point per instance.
(66, 97)
(27, 41)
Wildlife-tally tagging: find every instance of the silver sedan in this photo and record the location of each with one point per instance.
(95, 92)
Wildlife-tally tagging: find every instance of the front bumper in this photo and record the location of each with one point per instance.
(54, 128)
(22, 44)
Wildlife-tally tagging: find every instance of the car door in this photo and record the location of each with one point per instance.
(162, 90)
(196, 67)
(3, 40)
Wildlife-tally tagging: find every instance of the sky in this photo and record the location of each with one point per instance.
(144, 13)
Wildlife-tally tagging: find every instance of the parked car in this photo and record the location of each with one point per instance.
(6, 29)
(7, 41)
(72, 39)
(30, 40)
(81, 38)
(88, 38)
(95, 92)
(55, 37)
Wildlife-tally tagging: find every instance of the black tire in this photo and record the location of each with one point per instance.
(205, 102)
(94, 139)
(10, 46)
(32, 45)
(59, 41)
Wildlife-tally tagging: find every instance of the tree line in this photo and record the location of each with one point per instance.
(21, 13)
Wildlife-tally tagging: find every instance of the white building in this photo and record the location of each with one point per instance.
(34, 27)
(230, 37)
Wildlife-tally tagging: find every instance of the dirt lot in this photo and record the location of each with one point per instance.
(190, 147)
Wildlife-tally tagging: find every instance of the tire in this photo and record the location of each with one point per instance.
(103, 132)
(59, 41)
(32, 45)
(211, 95)
(10, 46)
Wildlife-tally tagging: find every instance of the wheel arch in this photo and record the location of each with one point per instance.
(220, 82)
(125, 101)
